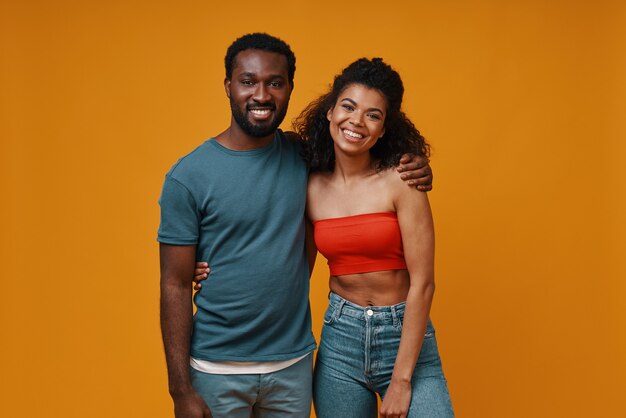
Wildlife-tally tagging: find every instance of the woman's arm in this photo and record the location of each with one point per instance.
(311, 248)
(416, 226)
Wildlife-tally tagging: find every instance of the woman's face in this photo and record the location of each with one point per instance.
(358, 119)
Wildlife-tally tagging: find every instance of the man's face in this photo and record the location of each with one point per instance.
(259, 91)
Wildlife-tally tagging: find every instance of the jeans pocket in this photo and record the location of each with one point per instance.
(430, 330)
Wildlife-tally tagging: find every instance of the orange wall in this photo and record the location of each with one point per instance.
(523, 102)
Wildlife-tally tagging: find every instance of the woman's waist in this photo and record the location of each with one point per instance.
(380, 288)
(374, 315)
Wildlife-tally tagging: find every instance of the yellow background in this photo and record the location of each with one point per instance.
(523, 102)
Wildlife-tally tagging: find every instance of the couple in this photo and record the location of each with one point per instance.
(239, 200)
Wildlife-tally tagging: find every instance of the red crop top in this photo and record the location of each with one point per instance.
(360, 243)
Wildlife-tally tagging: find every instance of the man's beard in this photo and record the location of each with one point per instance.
(257, 130)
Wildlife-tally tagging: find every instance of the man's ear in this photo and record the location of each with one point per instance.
(227, 87)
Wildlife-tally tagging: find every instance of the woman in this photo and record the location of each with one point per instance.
(378, 237)
(379, 241)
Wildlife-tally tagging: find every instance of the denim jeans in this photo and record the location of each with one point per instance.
(282, 394)
(355, 361)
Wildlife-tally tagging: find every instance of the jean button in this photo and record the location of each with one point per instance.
(369, 312)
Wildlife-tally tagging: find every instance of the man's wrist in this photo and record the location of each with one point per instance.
(181, 391)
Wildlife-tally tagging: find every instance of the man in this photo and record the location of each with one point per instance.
(238, 202)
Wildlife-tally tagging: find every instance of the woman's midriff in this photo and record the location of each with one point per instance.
(378, 288)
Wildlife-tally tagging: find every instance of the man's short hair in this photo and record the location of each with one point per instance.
(263, 42)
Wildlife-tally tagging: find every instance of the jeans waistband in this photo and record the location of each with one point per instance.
(341, 306)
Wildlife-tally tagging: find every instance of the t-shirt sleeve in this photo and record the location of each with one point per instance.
(180, 217)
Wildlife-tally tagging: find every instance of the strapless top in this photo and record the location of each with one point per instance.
(360, 243)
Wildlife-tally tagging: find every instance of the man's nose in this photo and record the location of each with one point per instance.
(261, 93)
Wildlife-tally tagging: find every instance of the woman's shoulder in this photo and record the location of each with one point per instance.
(320, 176)
(399, 190)
(319, 179)
(391, 177)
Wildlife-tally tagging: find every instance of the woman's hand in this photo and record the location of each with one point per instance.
(201, 273)
(397, 400)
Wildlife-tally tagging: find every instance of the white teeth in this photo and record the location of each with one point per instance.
(260, 111)
(352, 134)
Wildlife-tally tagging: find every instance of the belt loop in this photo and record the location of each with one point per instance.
(394, 315)
(339, 307)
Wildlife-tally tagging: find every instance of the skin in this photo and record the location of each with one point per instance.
(355, 188)
(176, 324)
(260, 88)
(259, 82)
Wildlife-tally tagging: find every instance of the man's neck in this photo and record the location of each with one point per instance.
(237, 140)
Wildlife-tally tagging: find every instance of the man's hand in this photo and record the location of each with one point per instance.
(201, 273)
(416, 172)
(191, 405)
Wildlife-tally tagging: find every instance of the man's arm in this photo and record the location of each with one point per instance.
(177, 266)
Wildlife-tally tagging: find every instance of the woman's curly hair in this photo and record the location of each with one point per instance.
(400, 137)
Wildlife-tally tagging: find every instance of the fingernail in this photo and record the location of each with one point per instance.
(403, 176)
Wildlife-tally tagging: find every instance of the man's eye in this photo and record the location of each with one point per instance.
(247, 82)
(276, 84)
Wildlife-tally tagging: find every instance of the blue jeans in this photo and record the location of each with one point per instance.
(282, 394)
(355, 360)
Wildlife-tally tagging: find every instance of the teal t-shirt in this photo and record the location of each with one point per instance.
(245, 212)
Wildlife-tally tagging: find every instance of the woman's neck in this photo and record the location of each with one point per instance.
(353, 167)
